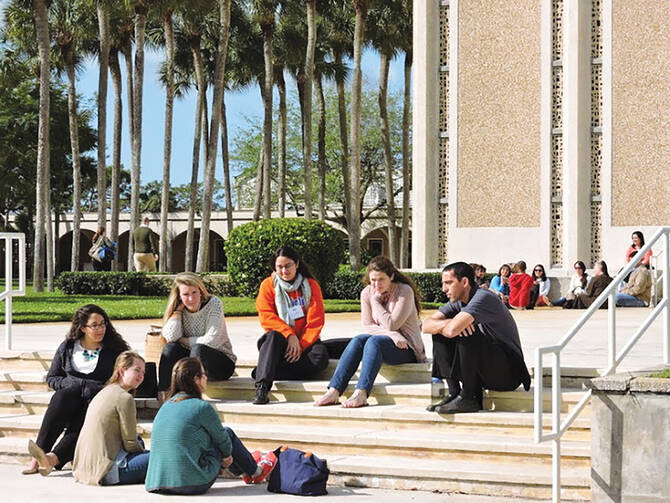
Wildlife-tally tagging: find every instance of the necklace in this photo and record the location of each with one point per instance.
(90, 354)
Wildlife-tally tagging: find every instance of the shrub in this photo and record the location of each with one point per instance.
(113, 283)
(346, 284)
(430, 286)
(250, 247)
(220, 285)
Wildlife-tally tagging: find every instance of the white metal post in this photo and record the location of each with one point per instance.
(9, 286)
(611, 332)
(556, 427)
(666, 295)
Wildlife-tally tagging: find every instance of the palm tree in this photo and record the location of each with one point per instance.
(405, 29)
(217, 100)
(102, 7)
(307, 117)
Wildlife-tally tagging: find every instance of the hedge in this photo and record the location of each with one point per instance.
(250, 248)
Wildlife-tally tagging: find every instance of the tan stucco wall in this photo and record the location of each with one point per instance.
(640, 112)
(499, 113)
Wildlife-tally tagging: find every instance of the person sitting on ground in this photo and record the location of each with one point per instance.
(637, 292)
(291, 312)
(476, 343)
(595, 287)
(539, 293)
(636, 245)
(480, 276)
(390, 308)
(520, 285)
(109, 451)
(194, 325)
(102, 252)
(500, 283)
(189, 445)
(577, 286)
(79, 369)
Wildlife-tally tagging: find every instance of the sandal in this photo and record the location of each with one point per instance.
(36, 451)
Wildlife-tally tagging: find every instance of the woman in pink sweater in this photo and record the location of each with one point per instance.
(390, 308)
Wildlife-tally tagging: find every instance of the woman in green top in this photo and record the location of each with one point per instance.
(189, 446)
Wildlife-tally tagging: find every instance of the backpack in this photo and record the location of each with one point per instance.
(298, 472)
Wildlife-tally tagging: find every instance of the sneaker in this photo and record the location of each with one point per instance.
(444, 401)
(267, 463)
(459, 404)
(261, 397)
(257, 455)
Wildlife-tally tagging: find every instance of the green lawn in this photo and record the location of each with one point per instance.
(664, 374)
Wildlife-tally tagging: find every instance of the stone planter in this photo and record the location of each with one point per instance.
(630, 439)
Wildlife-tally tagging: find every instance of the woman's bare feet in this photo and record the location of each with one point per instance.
(330, 397)
(358, 399)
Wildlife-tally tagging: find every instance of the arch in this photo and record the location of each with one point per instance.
(376, 242)
(65, 250)
(217, 254)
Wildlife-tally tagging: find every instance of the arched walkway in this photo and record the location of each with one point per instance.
(65, 251)
(217, 255)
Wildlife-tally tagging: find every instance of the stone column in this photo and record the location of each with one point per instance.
(425, 132)
(576, 131)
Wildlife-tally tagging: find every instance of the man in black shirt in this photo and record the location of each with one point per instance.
(475, 342)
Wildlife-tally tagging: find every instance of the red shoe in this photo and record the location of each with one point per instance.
(257, 455)
(267, 462)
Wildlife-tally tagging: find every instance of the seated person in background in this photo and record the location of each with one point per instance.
(577, 285)
(539, 293)
(637, 243)
(596, 286)
(520, 284)
(291, 312)
(108, 450)
(390, 310)
(500, 283)
(637, 291)
(189, 445)
(480, 276)
(475, 343)
(194, 325)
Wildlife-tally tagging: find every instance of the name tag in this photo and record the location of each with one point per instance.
(296, 312)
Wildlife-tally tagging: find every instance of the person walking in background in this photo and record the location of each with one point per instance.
(500, 283)
(539, 292)
(109, 451)
(102, 251)
(520, 284)
(594, 288)
(194, 325)
(577, 286)
(291, 312)
(146, 252)
(637, 292)
(637, 243)
(390, 308)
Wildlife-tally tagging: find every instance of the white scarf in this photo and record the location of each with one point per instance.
(282, 299)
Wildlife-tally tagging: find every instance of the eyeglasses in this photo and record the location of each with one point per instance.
(537, 270)
(95, 326)
(286, 266)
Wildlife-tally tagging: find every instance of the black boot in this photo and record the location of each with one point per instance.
(262, 391)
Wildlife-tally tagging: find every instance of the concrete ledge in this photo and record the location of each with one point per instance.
(638, 382)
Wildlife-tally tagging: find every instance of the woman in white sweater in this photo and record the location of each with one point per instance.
(194, 326)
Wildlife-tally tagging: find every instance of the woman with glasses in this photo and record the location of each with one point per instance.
(79, 369)
(539, 293)
(578, 284)
(291, 312)
(189, 446)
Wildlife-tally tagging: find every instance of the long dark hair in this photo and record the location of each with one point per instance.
(382, 264)
(544, 274)
(112, 339)
(639, 235)
(509, 270)
(585, 276)
(288, 252)
(603, 267)
(184, 374)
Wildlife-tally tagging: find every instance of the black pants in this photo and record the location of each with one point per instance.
(272, 365)
(534, 295)
(65, 414)
(476, 361)
(105, 265)
(217, 365)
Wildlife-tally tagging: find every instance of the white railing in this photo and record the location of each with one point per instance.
(9, 292)
(613, 360)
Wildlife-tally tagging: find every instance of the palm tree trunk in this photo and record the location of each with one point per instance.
(322, 147)
(103, 58)
(167, 148)
(355, 210)
(281, 140)
(217, 99)
(388, 156)
(50, 233)
(42, 28)
(307, 117)
(406, 172)
(140, 32)
(76, 161)
(128, 58)
(258, 198)
(344, 142)
(115, 72)
(195, 166)
(226, 167)
(267, 26)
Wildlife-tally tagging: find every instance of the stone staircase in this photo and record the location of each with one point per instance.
(393, 444)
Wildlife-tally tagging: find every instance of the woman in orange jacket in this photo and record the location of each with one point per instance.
(290, 307)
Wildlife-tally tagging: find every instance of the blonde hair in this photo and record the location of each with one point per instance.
(187, 279)
(124, 361)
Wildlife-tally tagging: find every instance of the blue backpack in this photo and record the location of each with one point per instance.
(298, 472)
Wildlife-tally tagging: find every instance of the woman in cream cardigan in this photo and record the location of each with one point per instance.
(109, 451)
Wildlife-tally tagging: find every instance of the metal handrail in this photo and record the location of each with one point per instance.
(609, 294)
(9, 292)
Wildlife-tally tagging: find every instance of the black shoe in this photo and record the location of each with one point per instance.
(261, 397)
(444, 401)
(459, 404)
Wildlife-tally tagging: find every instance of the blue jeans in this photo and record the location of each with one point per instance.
(243, 461)
(625, 300)
(135, 469)
(372, 351)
